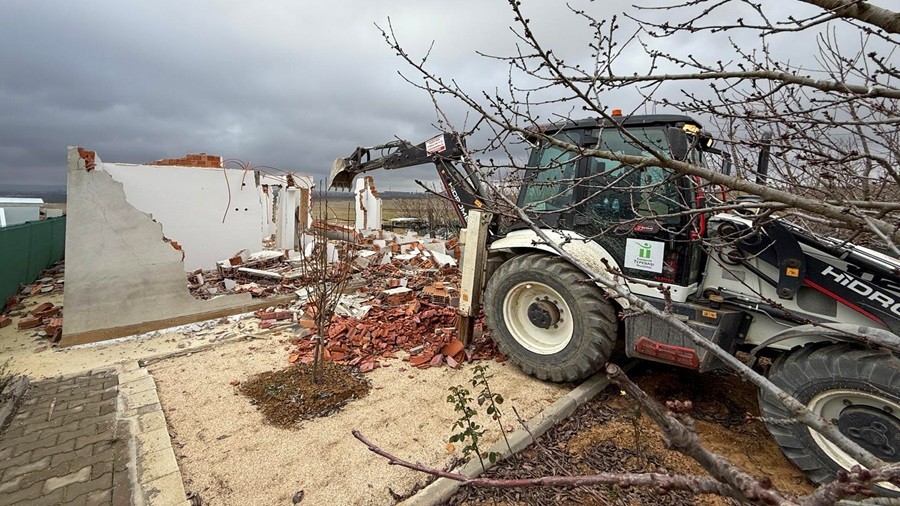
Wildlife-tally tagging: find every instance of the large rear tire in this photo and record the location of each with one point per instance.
(547, 320)
(856, 389)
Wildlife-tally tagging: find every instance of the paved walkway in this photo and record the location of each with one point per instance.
(64, 445)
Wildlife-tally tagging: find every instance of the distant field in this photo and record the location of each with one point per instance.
(342, 210)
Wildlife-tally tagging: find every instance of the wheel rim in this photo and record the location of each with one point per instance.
(866, 418)
(538, 318)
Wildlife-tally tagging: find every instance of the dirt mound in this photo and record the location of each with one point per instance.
(291, 395)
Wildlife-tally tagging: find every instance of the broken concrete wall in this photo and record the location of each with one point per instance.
(287, 203)
(210, 213)
(368, 205)
(286, 218)
(121, 277)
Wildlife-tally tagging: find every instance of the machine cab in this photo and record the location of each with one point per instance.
(645, 217)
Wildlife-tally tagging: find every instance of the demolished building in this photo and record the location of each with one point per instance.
(135, 230)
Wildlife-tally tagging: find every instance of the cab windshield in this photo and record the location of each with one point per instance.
(612, 190)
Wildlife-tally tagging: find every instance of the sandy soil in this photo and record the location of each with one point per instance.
(30, 355)
(229, 456)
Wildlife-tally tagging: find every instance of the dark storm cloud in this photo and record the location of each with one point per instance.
(282, 83)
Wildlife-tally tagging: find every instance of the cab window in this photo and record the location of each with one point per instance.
(617, 192)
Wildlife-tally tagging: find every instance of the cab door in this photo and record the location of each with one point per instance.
(638, 215)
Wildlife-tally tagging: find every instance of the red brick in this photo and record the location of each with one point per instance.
(275, 315)
(421, 360)
(88, 157)
(41, 308)
(29, 323)
(54, 332)
(193, 160)
(53, 311)
(453, 348)
(4, 321)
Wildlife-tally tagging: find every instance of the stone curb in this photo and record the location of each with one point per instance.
(17, 388)
(156, 478)
(442, 489)
(159, 357)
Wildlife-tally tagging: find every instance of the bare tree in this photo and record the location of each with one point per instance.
(326, 267)
(852, 96)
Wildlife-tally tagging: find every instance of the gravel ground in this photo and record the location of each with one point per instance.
(228, 455)
(33, 357)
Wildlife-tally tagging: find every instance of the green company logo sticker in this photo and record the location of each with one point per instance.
(644, 254)
(645, 250)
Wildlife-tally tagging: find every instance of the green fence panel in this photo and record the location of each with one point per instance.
(28, 249)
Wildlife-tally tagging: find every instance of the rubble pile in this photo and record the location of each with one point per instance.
(273, 272)
(44, 319)
(403, 305)
(261, 274)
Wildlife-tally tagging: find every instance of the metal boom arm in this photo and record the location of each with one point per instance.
(464, 189)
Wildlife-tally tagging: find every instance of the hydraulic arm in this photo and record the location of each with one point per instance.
(462, 186)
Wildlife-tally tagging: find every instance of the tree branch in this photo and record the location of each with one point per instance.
(695, 484)
(861, 10)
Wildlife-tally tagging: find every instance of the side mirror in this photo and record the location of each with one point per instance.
(678, 143)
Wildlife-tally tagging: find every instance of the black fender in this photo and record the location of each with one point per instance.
(837, 332)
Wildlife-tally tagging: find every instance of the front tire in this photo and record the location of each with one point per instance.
(856, 389)
(547, 319)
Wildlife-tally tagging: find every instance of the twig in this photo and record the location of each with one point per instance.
(696, 484)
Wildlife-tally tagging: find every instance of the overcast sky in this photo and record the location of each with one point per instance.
(286, 83)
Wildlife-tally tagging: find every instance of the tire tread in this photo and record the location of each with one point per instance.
(597, 311)
(819, 362)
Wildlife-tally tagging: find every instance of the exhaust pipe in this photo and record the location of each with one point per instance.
(762, 165)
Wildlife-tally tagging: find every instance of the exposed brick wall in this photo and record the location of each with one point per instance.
(88, 157)
(195, 160)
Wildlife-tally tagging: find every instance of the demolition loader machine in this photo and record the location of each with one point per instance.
(826, 313)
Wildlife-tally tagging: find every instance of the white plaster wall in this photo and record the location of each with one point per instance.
(268, 225)
(300, 181)
(366, 199)
(190, 203)
(286, 223)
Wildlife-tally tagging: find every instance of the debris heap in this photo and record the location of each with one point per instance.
(44, 319)
(401, 302)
